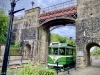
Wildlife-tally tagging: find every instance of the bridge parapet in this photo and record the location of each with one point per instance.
(64, 11)
(63, 5)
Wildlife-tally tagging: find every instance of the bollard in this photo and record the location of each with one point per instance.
(57, 67)
(68, 67)
(75, 63)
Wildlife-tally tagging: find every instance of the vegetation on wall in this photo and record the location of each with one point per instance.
(15, 50)
(4, 19)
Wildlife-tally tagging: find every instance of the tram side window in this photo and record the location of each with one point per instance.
(70, 52)
(67, 51)
(62, 51)
(55, 51)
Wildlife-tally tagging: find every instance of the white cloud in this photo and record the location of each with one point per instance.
(67, 31)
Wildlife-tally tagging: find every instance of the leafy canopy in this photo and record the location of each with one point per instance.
(61, 39)
(3, 26)
(95, 52)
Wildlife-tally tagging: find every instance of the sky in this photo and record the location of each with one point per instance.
(68, 31)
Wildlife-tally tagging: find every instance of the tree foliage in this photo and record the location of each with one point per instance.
(61, 39)
(71, 41)
(95, 52)
(3, 26)
(57, 38)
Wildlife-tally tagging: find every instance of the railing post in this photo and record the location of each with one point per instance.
(60, 6)
(57, 67)
(68, 67)
(75, 63)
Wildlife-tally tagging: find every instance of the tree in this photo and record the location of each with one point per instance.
(95, 52)
(57, 38)
(3, 26)
(71, 41)
(61, 39)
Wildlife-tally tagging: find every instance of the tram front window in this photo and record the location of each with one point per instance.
(53, 51)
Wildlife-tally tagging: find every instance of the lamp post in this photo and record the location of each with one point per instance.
(32, 4)
(6, 53)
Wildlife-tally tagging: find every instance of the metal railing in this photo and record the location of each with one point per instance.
(68, 66)
(59, 6)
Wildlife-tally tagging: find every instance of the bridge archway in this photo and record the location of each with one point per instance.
(44, 34)
(88, 47)
(27, 49)
(57, 21)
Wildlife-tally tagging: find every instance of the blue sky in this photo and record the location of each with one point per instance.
(68, 31)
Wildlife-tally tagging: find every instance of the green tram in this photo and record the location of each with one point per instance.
(62, 53)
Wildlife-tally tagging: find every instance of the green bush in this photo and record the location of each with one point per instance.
(15, 50)
(47, 72)
(16, 45)
(35, 70)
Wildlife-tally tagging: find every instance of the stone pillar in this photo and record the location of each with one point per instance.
(87, 28)
(2, 49)
(32, 51)
(43, 45)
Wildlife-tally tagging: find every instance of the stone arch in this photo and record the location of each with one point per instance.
(44, 35)
(57, 21)
(27, 50)
(88, 47)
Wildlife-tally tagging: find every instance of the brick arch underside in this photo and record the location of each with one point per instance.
(55, 22)
(88, 47)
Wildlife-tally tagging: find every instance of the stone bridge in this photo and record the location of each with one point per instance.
(34, 29)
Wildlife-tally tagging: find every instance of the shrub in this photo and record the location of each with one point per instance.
(47, 72)
(15, 49)
(35, 70)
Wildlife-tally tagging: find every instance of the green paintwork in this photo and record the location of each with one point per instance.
(50, 60)
(61, 60)
(64, 60)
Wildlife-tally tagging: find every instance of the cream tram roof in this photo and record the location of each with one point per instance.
(57, 44)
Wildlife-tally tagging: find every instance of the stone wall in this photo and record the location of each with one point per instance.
(87, 28)
(27, 31)
(11, 58)
(14, 58)
(87, 32)
(43, 45)
(26, 27)
(2, 49)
